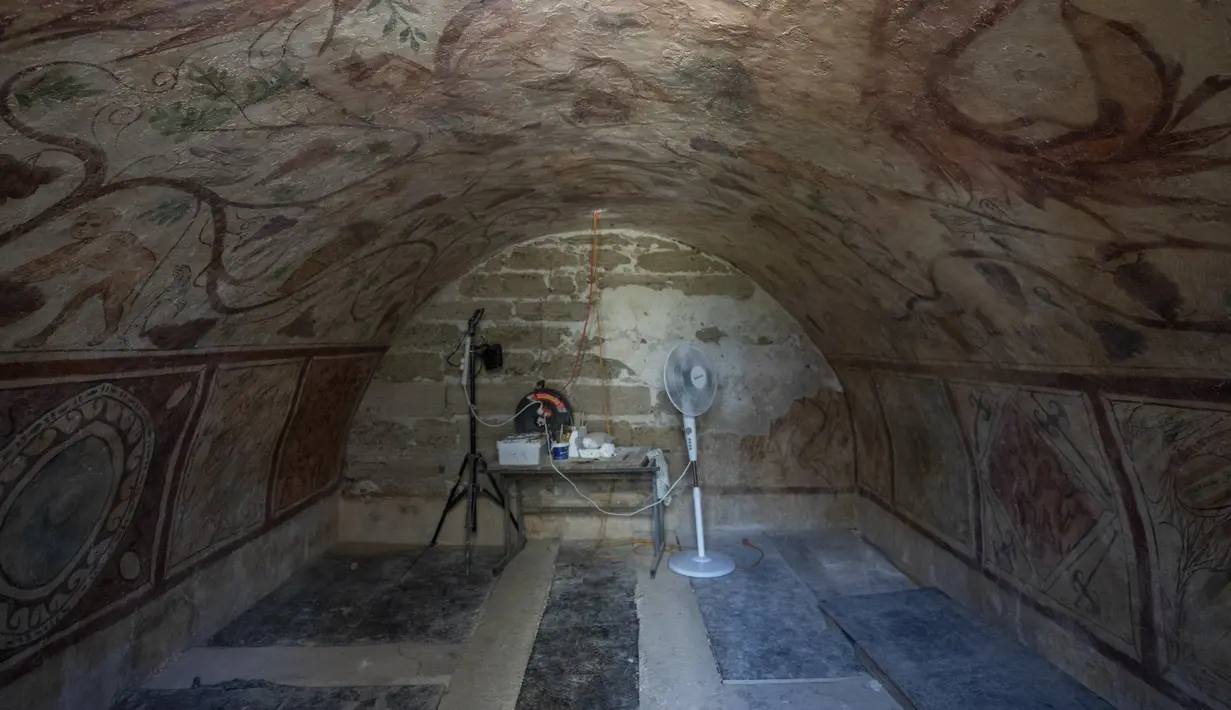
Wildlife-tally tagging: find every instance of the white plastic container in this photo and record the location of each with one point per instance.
(520, 450)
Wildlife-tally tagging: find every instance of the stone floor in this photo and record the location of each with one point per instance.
(764, 624)
(817, 621)
(563, 627)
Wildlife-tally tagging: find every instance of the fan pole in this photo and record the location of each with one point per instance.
(696, 508)
(690, 440)
(698, 563)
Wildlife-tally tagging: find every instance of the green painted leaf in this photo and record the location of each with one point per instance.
(168, 212)
(420, 34)
(282, 77)
(55, 86)
(210, 82)
(414, 44)
(181, 120)
(372, 4)
(389, 27)
(404, 34)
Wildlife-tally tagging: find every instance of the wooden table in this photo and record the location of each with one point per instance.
(631, 464)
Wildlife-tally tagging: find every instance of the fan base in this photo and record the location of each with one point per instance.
(689, 564)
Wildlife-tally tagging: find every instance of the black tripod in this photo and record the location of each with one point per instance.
(473, 478)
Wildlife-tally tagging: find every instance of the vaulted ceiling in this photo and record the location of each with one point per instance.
(1010, 181)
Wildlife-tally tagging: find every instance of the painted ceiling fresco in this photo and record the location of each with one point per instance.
(1024, 181)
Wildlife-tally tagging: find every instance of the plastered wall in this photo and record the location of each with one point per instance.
(776, 447)
(140, 496)
(135, 639)
(1085, 514)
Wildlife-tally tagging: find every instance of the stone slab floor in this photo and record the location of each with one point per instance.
(572, 627)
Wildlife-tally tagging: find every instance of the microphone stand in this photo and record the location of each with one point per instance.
(473, 478)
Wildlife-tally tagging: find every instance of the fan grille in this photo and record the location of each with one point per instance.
(689, 379)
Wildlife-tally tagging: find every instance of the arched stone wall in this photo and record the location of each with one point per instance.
(954, 199)
(1002, 181)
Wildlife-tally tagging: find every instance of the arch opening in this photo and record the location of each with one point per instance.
(777, 448)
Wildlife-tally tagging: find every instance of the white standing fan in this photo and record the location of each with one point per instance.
(691, 384)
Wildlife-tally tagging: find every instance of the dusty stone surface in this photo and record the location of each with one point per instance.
(348, 599)
(763, 623)
(586, 651)
(382, 664)
(674, 674)
(940, 656)
(263, 695)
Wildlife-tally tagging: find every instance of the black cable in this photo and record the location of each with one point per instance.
(449, 357)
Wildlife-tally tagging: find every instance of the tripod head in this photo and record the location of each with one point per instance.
(474, 321)
(492, 354)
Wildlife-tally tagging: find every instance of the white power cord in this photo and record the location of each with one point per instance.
(600, 508)
(596, 506)
(621, 515)
(477, 418)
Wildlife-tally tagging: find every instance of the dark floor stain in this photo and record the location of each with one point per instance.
(585, 654)
(712, 334)
(262, 695)
(941, 657)
(349, 600)
(763, 624)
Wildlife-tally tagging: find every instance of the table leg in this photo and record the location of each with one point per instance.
(506, 517)
(519, 534)
(657, 533)
(521, 513)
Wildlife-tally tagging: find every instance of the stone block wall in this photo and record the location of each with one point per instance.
(775, 448)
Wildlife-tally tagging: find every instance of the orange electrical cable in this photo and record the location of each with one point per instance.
(760, 556)
(602, 362)
(589, 304)
(602, 372)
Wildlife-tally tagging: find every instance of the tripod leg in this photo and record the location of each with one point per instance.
(452, 502)
(472, 508)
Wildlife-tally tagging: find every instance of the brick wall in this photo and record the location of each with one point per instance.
(775, 447)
